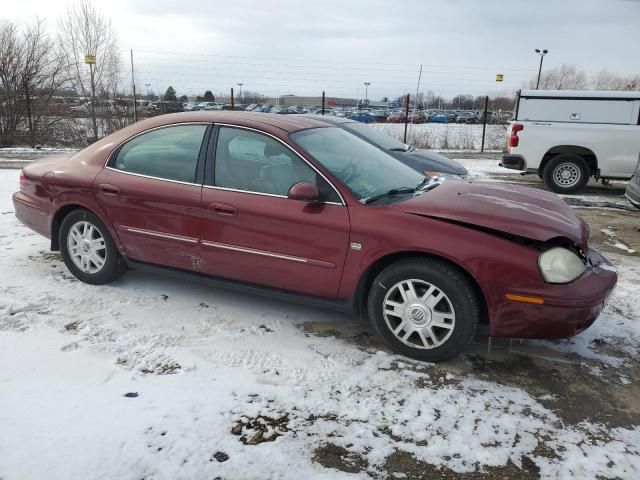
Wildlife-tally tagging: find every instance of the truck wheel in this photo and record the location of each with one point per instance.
(566, 173)
(424, 308)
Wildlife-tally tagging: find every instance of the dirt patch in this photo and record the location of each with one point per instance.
(403, 465)
(339, 458)
(567, 388)
(260, 429)
(360, 333)
(610, 226)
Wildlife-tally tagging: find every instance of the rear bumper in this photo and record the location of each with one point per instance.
(32, 215)
(514, 162)
(568, 309)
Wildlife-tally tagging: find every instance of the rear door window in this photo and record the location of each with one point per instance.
(169, 153)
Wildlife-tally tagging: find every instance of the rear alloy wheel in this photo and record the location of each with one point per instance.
(424, 309)
(88, 249)
(566, 173)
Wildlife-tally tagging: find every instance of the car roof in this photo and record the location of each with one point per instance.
(261, 121)
(329, 119)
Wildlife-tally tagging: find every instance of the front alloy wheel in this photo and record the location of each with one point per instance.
(424, 308)
(419, 314)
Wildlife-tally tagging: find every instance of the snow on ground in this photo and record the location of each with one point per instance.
(228, 385)
(38, 150)
(447, 136)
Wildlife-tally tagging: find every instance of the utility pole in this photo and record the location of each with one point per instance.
(542, 54)
(406, 118)
(133, 82)
(323, 102)
(240, 93)
(484, 121)
(232, 103)
(91, 61)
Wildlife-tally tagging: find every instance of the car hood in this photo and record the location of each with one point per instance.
(440, 162)
(525, 212)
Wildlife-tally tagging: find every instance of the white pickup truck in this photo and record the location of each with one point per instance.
(568, 136)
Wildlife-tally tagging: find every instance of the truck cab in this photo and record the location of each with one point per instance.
(567, 137)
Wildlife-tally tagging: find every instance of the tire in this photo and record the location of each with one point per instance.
(566, 173)
(87, 258)
(457, 311)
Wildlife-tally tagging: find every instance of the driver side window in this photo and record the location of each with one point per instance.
(252, 162)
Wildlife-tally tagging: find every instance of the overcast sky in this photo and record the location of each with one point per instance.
(287, 46)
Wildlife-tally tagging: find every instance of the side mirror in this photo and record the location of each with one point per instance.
(305, 191)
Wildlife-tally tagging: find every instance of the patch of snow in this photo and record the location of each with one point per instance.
(447, 136)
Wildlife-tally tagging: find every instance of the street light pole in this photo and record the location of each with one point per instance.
(542, 54)
(240, 93)
(366, 91)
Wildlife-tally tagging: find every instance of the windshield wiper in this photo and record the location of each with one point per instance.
(428, 183)
(390, 193)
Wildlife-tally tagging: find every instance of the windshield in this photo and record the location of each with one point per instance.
(364, 169)
(375, 136)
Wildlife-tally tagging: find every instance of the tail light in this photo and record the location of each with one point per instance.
(23, 180)
(513, 138)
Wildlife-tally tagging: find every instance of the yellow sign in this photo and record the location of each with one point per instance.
(499, 77)
(90, 59)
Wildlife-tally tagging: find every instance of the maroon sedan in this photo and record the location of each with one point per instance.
(299, 209)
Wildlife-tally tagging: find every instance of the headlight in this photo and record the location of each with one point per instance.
(559, 265)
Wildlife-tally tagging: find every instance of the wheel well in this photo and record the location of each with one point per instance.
(364, 285)
(57, 221)
(583, 152)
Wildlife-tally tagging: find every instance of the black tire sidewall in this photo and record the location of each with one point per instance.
(444, 276)
(566, 158)
(114, 266)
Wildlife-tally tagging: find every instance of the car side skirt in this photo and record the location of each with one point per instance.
(344, 306)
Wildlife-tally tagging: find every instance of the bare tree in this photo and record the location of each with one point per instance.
(564, 77)
(85, 31)
(42, 73)
(604, 80)
(10, 81)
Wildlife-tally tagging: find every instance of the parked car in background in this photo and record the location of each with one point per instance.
(567, 137)
(363, 117)
(298, 209)
(165, 107)
(425, 162)
(209, 106)
(633, 189)
(438, 118)
(397, 117)
(416, 117)
(192, 106)
(379, 115)
(467, 117)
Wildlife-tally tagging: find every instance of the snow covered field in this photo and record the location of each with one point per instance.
(448, 136)
(159, 379)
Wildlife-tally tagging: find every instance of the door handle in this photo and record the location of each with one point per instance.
(108, 189)
(224, 209)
